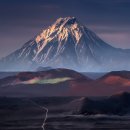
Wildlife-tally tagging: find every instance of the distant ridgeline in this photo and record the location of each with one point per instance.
(63, 82)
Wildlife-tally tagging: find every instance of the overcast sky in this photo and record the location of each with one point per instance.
(20, 20)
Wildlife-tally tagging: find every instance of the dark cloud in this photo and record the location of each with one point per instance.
(20, 20)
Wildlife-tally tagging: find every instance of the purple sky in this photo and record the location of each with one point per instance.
(20, 20)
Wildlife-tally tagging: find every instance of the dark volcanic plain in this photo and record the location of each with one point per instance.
(25, 114)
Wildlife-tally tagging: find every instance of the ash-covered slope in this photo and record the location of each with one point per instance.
(118, 104)
(116, 78)
(41, 76)
(69, 44)
(54, 82)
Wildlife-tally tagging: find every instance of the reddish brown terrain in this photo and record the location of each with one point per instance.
(64, 82)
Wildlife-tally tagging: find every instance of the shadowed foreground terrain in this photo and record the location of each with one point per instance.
(65, 113)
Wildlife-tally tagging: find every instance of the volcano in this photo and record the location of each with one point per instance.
(67, 44)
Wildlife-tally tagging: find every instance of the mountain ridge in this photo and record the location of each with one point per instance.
(67, 44)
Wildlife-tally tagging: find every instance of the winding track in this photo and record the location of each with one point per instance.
(43, 108)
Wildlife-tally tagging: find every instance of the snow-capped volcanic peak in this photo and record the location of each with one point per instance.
(68, 44)
(61, 29)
